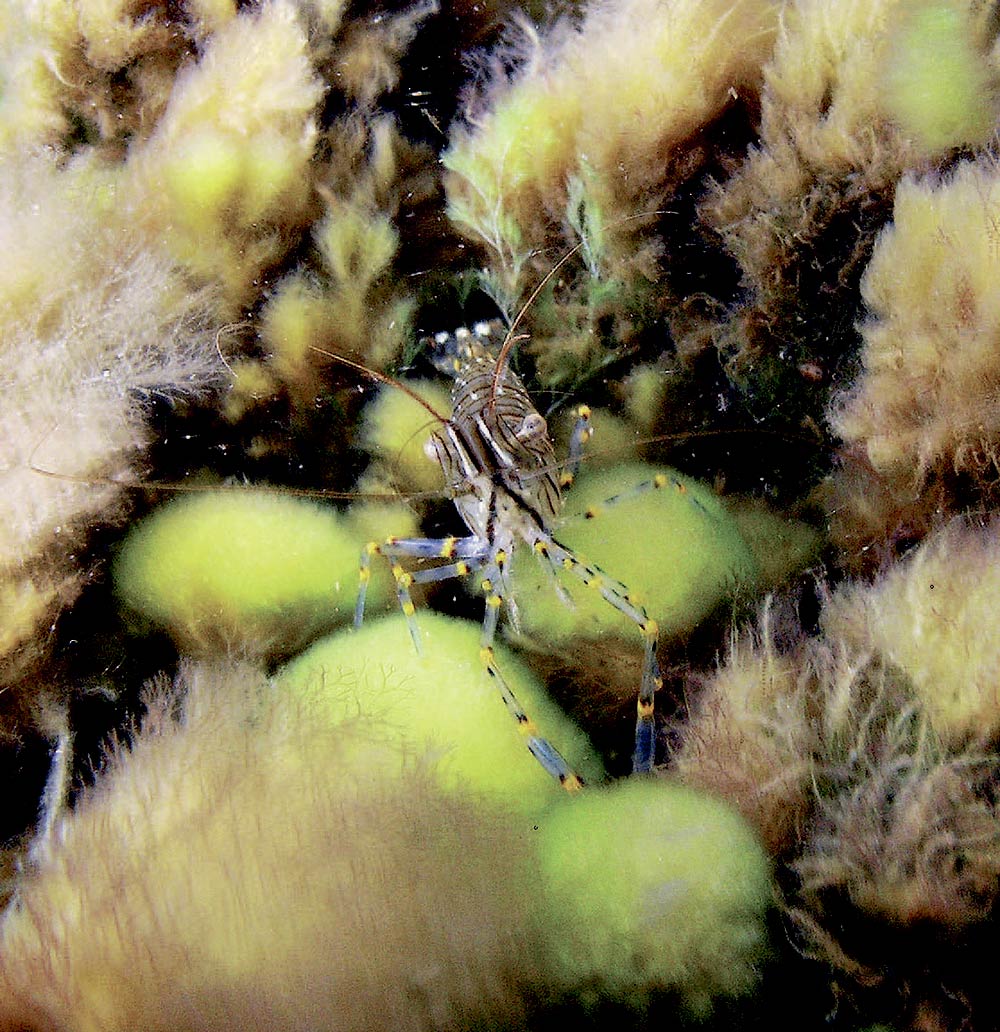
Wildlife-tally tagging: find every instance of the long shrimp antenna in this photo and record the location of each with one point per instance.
(510, 340)
(389, 381)
(182, 487)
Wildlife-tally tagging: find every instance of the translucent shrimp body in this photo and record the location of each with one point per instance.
(502, 474)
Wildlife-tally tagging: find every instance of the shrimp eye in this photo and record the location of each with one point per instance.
(534, 425)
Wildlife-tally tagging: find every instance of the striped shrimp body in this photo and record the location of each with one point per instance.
(502, 473)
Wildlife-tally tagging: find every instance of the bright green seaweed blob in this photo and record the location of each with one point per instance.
(443, 700)
(938, 83)
(646, 885)
(247, 571)
(397, 427)
(676, 548)
(782, 547)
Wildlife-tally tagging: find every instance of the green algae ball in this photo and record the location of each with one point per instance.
(443, 700)
(203, 173)
(396, 427)
(676, 549)
(648, 885)
(782, 547)
(938, 84)
(252, 572)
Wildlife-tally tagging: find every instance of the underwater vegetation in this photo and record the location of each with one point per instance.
(759, 242)
(248, 894)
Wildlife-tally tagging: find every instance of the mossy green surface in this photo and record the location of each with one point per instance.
(649, 885)
(647, 386)
(782, 547)
(241, 866)
(676, 549)
(248, 571)
(202, 175)
(933, 618)
(443, 698)
(939, 85)
(396, 427)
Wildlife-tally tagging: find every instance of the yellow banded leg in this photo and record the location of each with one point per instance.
(541, 549)
(403, 581)
(617, 595)
(364, 576)
(645, 721)
(661, 482)
(468, 554)
(541, 748)
(451, 571)
(582, 433)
